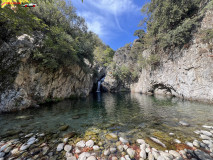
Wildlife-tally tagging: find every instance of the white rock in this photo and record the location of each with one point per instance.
(177, 141)
(141, 141)
(123, 140)
(41, 135)
(158, 141)
(4, 146)
(122, 158)
(90, 143)
(24, 147)
(71, 158)
(155, 154)
(68, 154)
(171, 134)
(2, 154)
(67, 148)
(28, 135)
(77, 151)
(189, 144)
(202, 136)
(127, 157)
(197, 132)
(148, 150)
(120, 148)
(15, 151)
(161, 158)
(166, 155)
(125, 147)
(174, 153)
(31, 140)
(196, 143)
(208, 127)
(208, 142)
(95, 148)
(107, 152)
(65, 140)
(143, 146)
(143, 154)
(113, 135)
(60, 147)
(81, 144)
(114, 158)
(131, 152)
(207, 133)
(183, 123)
(91, 158)
(150, 156)
(112, 150)
(83, 156)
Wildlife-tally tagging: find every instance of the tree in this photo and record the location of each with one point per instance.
(140, 33)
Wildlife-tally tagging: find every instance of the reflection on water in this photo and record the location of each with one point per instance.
(121, 112)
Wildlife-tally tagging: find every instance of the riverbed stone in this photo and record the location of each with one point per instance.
(141, 141)
(90, 143)
(183, 123)
(96, 148)
(208, 127)
(107, 152)
(60, 147)
(207, 133)
(150, 156)
(4, 146)
(8, 149)
(155, 154)
(45, 150)
(189, 144)
(202, 136)
(2, 154)
(143, 154)
(111, 136)
(112, 149)
(84, 155)
(147, 150)
(15, 151)
(31, 140)
(64, 127)
(174, 153)
(120, 148)
(131, 152)
(67, 148)
(196, 143)
(77, 151)
(81, 144)
(202, 155)
(91, 158)
(123, 140)
(177, 141)
(71, 158)
(125, 147)
(24, 147)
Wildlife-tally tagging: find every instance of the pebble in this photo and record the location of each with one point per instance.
(83, 156)
(120, 148)
(4, 146)
(8, 149)
(143, 154)
(60, 147)
(183, 123)
(202, 155)
(77, 151)
(24, 147)
(113, 135)
(15, 151)
(65, 140)
(208, 127)
(31, 140)
(127, 157)
(148, 150)
(165, 154)
(67, 148)
(2, 154)
(202, 136)
(155, 154)
(45, 150)
(107, 152)
(91, 158)
(68, 154)
(90, 143)
(71, 158)
(189, 144)
(157, 141)
(114, 158)
(150, 156)
(197, 132)
(143, 146)
(207, 133)
(96, 148)
(29, 135)
(171, 134)
(125, 147)
(122, 158)
(131, 152)
(174, 153)
(161, 158)
(123, 140)
(81, 144)
(196, 143)
(112, 150)
(141, 141)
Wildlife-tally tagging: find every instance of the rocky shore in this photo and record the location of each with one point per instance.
(95, 145)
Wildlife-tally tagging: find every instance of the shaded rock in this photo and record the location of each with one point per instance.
(24, 147)
(64, 127)
(202, 155)
(2, 154)
(60, 147)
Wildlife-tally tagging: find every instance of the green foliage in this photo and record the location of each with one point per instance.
(170, 23)
(140, 33)
(103, 54)
(152, 60)
(207, 35)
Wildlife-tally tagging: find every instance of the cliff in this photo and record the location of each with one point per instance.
(185, 73)
(23, 83)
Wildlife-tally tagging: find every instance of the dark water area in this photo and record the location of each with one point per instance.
(134, 114)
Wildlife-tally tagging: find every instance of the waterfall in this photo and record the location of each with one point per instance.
(99, 84)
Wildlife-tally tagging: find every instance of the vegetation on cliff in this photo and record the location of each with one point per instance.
(67, 40)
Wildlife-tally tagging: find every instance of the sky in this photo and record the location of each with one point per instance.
(114, 21)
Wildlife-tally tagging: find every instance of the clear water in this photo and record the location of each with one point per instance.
(136, 115)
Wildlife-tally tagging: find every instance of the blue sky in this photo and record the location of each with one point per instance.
(114, 21)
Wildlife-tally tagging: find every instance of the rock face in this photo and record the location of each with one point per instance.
(23, 84)
(187, 73)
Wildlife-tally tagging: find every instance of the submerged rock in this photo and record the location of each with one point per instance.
(183, 123)
(64, 127)
(158, 141)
